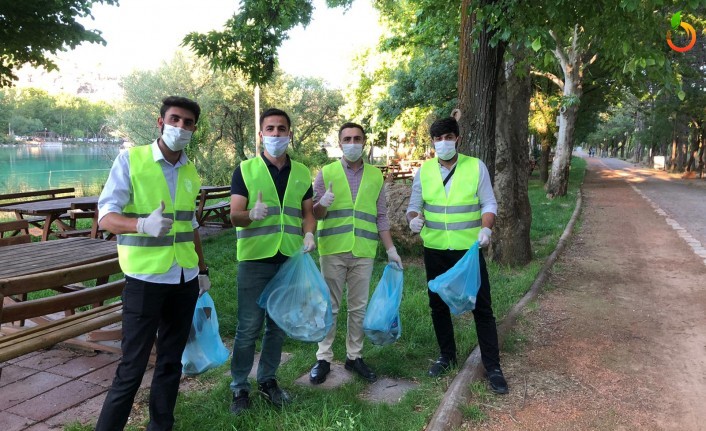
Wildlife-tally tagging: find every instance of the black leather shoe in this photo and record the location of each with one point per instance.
(361, 369)
(319, 372)
(273, 393)
(497, 381)
(241, 402)
(441, 366)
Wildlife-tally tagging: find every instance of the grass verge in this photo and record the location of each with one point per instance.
(343, 409)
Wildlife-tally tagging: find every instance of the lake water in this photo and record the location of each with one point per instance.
(35, 167)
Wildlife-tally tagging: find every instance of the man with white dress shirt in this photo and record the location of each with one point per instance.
(451, 206)
(149, 202)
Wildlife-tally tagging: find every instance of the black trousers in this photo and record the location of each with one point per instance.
(148, 309)
(439, 261)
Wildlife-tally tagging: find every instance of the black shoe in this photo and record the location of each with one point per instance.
(441, 366)
(361, 369)
(241, 402)
(319, 372)
(497, 381)
(273, 393)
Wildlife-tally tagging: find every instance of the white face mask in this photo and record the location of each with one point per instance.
(275, 145)
(176, 138)
(352, 152)
(445, 150)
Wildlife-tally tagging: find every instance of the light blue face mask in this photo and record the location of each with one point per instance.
(275, 145)
(445, 150)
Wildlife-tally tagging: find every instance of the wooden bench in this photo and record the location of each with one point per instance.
(81, 210)
(37, 196)
(74, 311)
(14, 232)
(209, 212)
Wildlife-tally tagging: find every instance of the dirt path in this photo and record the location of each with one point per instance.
(619, 342)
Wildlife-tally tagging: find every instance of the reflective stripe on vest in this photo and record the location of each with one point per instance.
(281, 230)
(348, 226)
(144, 254)
(451, 222)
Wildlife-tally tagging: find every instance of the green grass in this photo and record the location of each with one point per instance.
(409, 358)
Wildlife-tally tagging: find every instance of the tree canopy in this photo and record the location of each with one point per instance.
(30, 30)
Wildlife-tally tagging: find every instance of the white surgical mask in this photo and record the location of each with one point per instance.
(445, 150)
(352, 152)
(176, 138)
(275, 145)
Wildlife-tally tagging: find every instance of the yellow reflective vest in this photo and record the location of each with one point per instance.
(142, 253)
(451, 222)
(350, 226)
(281, 230)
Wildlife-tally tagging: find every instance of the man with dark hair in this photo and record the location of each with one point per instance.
(160, 253)
(271, 208)
(350, 205)
(452, 205)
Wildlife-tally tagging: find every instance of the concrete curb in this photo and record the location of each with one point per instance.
(448, 415)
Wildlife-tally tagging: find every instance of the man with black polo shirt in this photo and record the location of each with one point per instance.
(272, 210)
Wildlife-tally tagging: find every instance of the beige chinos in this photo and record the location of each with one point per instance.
(345, 270)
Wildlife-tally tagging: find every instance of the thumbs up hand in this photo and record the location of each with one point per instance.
(155, 224)
(259, 211)
(327, 199)
(416, 224)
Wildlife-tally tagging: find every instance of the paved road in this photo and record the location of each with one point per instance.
(683, 201)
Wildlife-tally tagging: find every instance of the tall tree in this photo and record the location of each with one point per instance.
(32, 29)
(478, 66)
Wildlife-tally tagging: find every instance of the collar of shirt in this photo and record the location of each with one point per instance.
(269, 164)
(157, 155)
(444, 168)
(348, 166)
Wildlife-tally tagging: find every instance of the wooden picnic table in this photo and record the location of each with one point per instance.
(51, 210)
(36, 257)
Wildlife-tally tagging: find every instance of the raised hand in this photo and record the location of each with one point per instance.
(155, 224)
(417, 223)
(328, 197)
(259, 211)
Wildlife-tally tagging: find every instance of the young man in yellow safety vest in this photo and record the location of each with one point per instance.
(271, 208)
(351, 208)
(452, 205)
(149, 202)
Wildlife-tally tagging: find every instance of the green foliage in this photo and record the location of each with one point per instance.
(252, 36)
(32, 110)
(32, 30)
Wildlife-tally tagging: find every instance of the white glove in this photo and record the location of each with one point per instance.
(484, 236)
(155, 225)
(416, 224)
(392, 256)
(204, 284)
(259, 211)
(327, 199)
(309, 242)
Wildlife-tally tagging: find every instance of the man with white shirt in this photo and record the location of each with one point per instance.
(149, 202)
(452, 205)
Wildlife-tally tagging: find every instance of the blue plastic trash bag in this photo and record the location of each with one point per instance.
(459, 286)
(382, 322)
(204, 349)
(298, 300)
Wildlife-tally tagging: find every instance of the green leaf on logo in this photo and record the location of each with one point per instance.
(676, 20)
(537, 44)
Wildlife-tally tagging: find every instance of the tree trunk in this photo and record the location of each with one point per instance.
(477, 86)
(511, 237)
(572, 65)
(544, 161)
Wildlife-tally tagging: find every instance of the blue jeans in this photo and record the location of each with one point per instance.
(252, 278)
